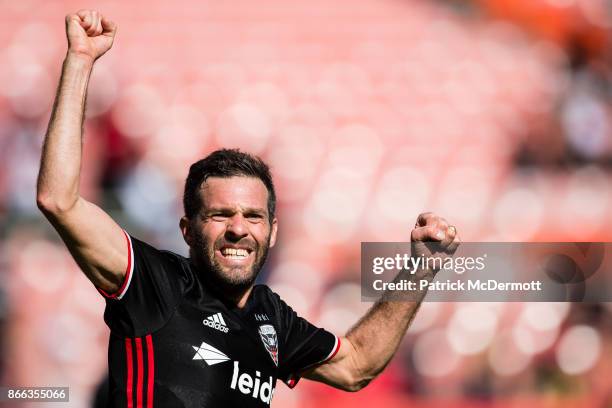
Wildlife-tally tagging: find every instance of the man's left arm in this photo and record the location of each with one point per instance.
(371, 343)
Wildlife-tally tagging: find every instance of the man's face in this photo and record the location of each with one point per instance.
(232, 233)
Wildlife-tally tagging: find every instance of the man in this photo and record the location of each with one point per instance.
(197, 331)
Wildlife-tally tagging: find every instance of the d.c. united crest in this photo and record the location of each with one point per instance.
(270, 340)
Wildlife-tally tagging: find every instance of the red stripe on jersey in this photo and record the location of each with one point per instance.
(293, 380)
(128, 271)
(150, 371)
(129, 264)
(128, 359)
(333, 353)
(140, 371)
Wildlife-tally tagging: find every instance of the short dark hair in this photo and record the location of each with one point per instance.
(225, 163)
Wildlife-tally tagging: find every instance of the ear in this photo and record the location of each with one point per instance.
(185, 227)
(273, 232)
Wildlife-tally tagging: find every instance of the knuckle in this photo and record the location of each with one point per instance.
(418, 233)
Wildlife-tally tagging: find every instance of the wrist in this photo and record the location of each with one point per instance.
(427, 274)
(79, 59)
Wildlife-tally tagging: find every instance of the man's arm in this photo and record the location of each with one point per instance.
(95, 241)
(371, 343)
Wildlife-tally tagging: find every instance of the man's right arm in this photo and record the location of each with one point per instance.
(93, 238)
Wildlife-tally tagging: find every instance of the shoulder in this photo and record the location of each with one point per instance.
(269, 299)
(142, 247)
(147, 256)
(265, 293)
(176, 258)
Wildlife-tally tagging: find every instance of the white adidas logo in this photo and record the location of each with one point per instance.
(209, 354)
(216, 322)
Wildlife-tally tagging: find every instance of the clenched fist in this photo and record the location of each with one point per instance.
(433, 237)
(89, 34)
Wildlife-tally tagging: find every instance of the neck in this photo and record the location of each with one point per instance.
(240, 302)
(234, 295)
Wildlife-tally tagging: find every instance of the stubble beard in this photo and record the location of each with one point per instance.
(230, 281)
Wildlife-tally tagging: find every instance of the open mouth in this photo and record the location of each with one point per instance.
(235, 253)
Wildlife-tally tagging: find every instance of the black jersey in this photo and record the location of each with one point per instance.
(173, 343)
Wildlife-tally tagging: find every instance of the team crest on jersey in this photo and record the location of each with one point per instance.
(270, 340)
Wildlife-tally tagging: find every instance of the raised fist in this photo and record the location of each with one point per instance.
(433, 237)
(89, 34)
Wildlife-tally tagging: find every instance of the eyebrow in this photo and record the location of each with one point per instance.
(231, 210)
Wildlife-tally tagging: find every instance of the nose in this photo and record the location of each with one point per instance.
(236, 228)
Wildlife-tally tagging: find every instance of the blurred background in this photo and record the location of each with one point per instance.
(497, 114)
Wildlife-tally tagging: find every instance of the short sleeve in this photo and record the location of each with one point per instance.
(302, 345)
(153, 285)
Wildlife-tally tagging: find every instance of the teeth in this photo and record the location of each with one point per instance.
(235, 257)
(234, 253)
